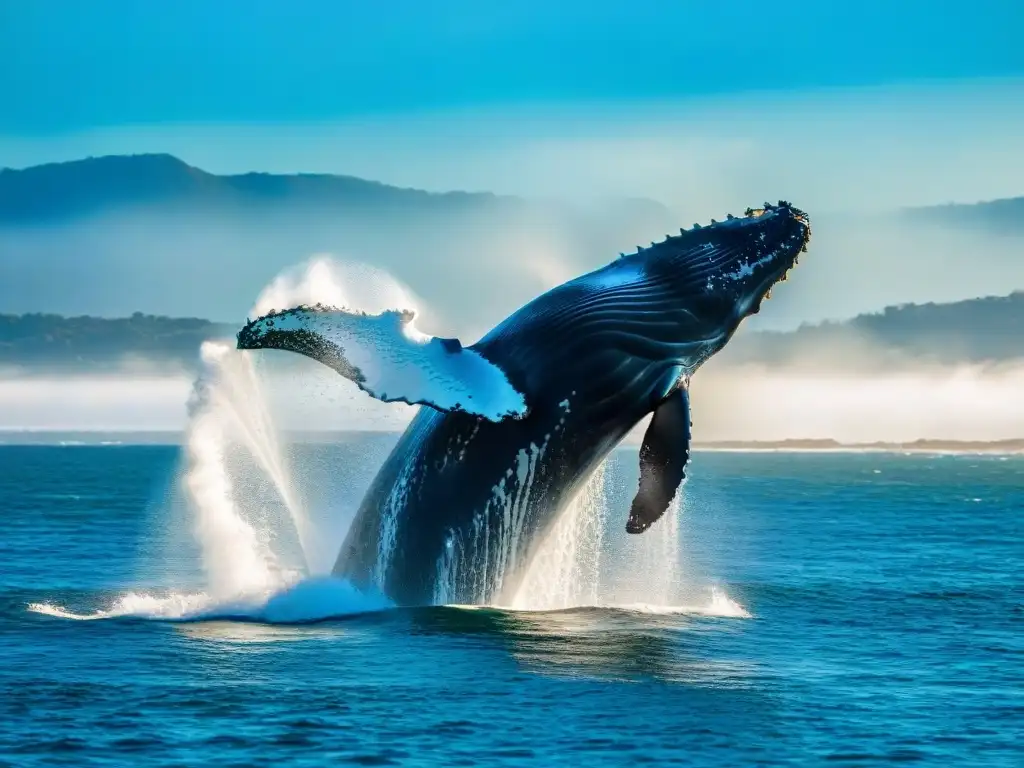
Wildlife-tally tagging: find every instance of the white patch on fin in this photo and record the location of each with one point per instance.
(389, 359)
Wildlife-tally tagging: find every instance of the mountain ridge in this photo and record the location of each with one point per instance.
(76, 188)
(37, 193)
(983, 329)
(999, 216)
(42, 193)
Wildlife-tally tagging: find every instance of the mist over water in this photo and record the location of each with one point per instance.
(748, 402)
(903, 404)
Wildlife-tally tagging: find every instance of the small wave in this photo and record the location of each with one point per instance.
(314, 599)
(720, 605)
(322, 598)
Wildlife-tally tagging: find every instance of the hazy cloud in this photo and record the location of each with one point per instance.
(962, 403)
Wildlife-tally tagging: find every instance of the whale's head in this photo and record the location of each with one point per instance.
(721, 273)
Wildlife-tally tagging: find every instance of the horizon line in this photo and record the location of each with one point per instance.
(823, 442)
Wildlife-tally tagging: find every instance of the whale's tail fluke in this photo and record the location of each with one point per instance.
(389, 359)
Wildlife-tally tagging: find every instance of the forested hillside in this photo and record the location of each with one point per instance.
(985, 329)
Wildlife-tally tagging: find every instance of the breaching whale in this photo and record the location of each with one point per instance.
(517, 422)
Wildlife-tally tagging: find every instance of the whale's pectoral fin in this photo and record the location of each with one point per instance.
(389, 359)
(663, 458)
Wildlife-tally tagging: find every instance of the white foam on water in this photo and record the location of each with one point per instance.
(312, 599)
(718, 605)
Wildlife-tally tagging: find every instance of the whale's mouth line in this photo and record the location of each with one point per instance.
(803, 219)
(788, 250)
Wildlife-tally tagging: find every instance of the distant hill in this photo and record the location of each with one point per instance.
(94, 344)
(995, 216)
(975, 330)
(986, 329)
(60, 192)
(63, 191)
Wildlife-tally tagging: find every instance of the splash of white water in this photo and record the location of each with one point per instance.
(566, 569)
(342, 284)
(233, 524)
(577, 566)
(251, 526)
(243, 552)
(246, 508)
(648, 566)
(240, 539)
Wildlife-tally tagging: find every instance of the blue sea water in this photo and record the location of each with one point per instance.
(886, 624)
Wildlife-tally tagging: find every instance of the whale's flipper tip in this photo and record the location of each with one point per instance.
(390, 360)
(663, 457)
(637, 524)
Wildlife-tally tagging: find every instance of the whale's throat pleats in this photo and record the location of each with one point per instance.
(663, 457)
(618, 328)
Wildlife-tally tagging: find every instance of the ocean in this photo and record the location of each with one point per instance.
(805, 608)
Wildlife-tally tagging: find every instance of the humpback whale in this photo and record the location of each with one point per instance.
(515, 424)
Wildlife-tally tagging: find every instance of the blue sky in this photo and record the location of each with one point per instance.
(72, 65)
(703, 106)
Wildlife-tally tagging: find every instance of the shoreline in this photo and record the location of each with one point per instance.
(924, 445)
(54, 437)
